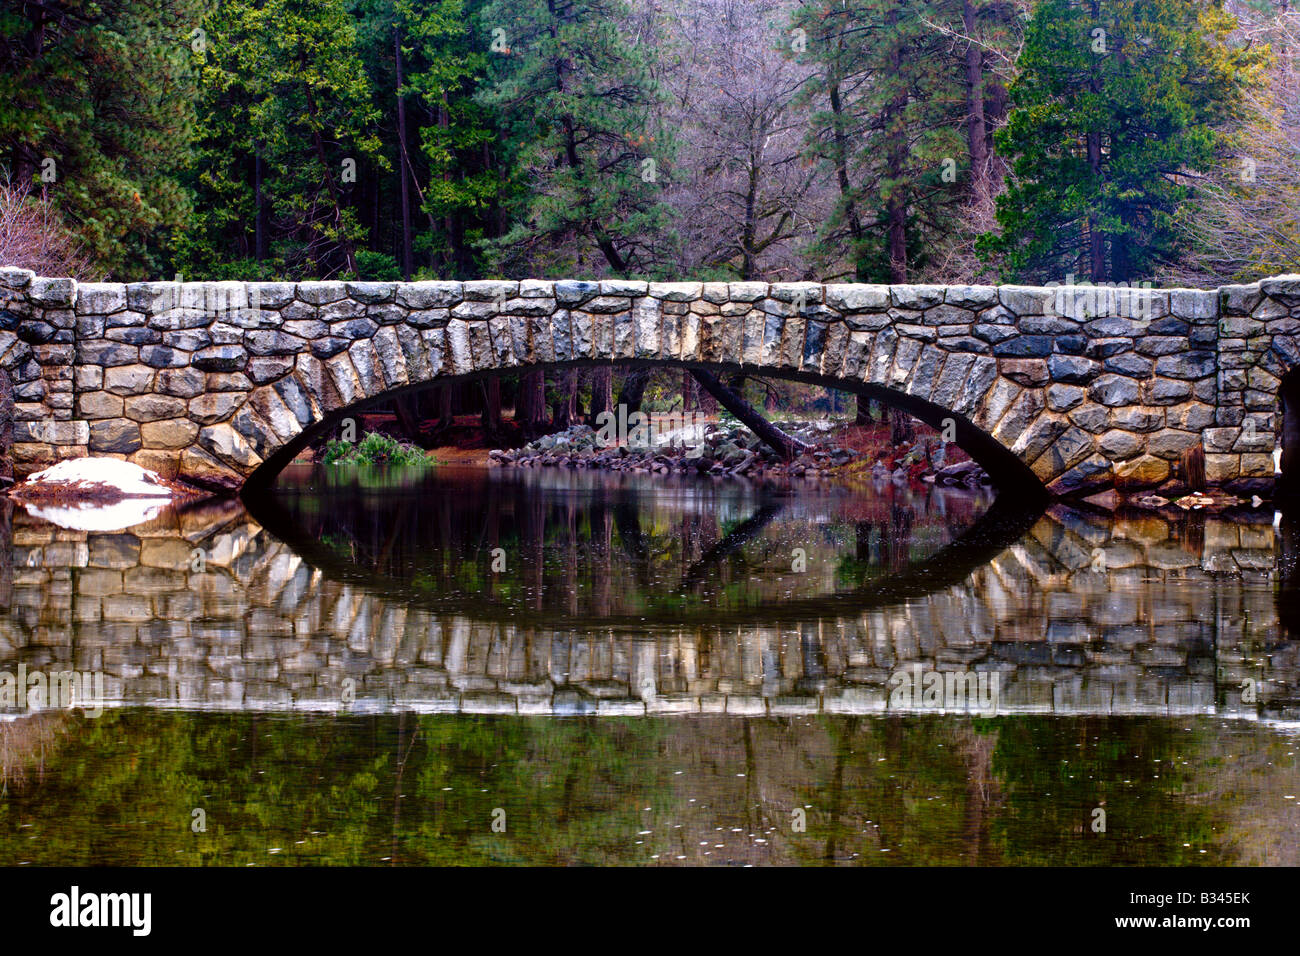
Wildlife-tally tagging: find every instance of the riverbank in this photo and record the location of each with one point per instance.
(832, 450)
(836, 451)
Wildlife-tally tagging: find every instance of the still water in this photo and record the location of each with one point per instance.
(555, 667)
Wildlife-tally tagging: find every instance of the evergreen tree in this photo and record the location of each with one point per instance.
(289, 130)
(1116, 107)
(889, 121)
(465, 189)
(97, 110)
(575, 100)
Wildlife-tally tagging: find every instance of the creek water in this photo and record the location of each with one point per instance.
(549, 667)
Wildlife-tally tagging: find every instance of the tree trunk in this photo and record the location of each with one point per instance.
(345, 242)
(1096, 238)
(784, 445)
(896, 205)
(403, 170)
(750, 225)
(901, 428)
(491, 405)
(446, 406)
(633, 390)
(863, 416)
(602, 391)
(259, 207)
(738, 537)
(530, 406)
(456, 253)
(407, 419)
(977, 139)
(604, 241)
(842, 178)
(706, 403)
(564, 410)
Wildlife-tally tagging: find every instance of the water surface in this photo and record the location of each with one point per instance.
(649, 670)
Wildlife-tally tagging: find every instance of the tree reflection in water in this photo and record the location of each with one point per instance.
(400, 789)
(1121, 677)
(593, 544)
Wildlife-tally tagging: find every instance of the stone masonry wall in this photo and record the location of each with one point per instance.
(1256, 347)
(206, 381)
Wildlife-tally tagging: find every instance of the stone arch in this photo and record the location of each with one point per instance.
(1289, 432)
(303, 418)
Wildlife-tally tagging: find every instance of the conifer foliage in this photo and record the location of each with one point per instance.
(1117, 106)
(97, 111)
(869, 140)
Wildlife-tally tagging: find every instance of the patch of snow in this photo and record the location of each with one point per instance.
(144, 496)
(129, 479)
(93, 517)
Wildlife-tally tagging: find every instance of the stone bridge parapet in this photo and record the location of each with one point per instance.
(1071, 388)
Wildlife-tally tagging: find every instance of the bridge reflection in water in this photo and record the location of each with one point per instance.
(1077, 613)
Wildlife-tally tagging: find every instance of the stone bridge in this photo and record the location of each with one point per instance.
(1069, 388)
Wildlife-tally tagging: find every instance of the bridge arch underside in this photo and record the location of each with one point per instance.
(219, 383)
(1007, 471)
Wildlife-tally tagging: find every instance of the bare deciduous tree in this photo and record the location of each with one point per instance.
(1245, 221)
(747, 201)
(33, 235)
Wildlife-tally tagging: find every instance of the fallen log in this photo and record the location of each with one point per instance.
(784, 445)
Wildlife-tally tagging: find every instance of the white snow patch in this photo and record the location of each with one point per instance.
(92, 517)
(144, 496)
(131, 480)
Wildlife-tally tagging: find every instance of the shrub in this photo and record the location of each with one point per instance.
(377, 267)
(374, 449)
(34, 236)
(338, 452)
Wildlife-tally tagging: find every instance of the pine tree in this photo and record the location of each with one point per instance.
(575, 100)
(1117, 105)
(465, 189)
(289, 129)
(97, 111)
(889, 122)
